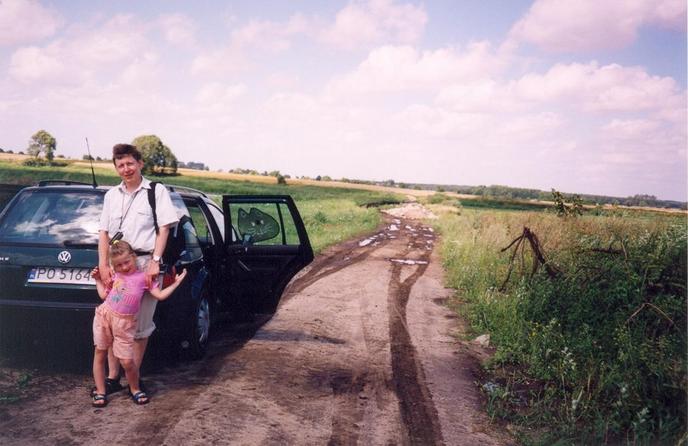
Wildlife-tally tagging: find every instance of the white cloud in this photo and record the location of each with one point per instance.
(220, 62)
(592, 87)
(563, 26)
(436, 122)
(82, 55)
(374, 22)
(358, 24)
(143, 71)
(630, 129)
(236, 55)
(270, 35)
(178, 29)
(32, 63)
(404, 68)
(26, 21)
(216, 95)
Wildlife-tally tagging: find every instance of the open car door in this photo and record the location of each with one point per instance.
(266, 244)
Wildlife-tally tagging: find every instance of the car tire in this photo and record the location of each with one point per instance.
(199, 330)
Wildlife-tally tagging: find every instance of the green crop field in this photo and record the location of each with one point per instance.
(588, 316)
(331, 214)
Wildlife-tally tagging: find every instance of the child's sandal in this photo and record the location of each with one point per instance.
(111, 386)
(99, 400)
(140, 398)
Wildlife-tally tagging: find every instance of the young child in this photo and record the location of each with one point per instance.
(114, 324)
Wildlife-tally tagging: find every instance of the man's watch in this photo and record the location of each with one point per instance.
(157, 259)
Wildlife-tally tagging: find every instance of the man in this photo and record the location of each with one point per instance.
(127, 214)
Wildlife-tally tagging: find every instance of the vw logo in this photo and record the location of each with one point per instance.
(64, 257)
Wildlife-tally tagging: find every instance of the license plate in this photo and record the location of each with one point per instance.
(48, 274)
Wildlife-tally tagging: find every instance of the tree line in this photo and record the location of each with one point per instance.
(157, 157)
(517, 193)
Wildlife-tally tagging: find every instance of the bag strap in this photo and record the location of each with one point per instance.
(151, 201)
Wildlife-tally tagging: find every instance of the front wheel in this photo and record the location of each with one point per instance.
(200, 329)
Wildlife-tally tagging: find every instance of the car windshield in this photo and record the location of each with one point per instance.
(60, 217)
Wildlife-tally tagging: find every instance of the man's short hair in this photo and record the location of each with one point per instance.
(119, 151)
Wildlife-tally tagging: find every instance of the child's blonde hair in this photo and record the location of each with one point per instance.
(120, 247)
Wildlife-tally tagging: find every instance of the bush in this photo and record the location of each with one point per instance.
(597, 352)
(36, 162)
(437, 198)
(42, 162)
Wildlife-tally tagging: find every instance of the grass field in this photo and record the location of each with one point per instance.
(591, 346)
(331, 214)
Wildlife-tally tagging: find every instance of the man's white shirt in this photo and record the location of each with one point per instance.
(131, 214)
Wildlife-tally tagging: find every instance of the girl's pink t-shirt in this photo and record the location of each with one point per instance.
(127, 290)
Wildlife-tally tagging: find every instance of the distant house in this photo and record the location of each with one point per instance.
(193, 165)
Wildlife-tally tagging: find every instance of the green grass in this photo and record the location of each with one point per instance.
(503, 204)
(595, 354)
(331, 215)
(331, 221)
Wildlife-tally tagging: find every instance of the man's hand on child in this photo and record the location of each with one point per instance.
(104, 274)
(152, 272)
(95, 273)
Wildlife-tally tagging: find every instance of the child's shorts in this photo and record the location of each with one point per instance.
(112, 329)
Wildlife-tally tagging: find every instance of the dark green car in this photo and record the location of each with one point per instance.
(49, 244)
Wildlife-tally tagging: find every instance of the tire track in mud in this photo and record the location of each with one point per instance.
(356, 386)
(332, 264)
(418, 411)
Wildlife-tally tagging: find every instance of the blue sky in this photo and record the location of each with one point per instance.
(585, 96)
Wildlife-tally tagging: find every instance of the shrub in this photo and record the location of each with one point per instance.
(597, 352)
(437, 198)
(36, 162)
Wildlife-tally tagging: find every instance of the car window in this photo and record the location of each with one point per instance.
(192, 250)
(203, 231)
(53, 217)
(264, 224)
(179, 206)
(219, 218)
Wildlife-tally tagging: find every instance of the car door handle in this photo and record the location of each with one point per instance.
(239, 250)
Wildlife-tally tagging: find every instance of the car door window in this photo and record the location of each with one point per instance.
(200, 222)
(264, 224)
(219, 218)
(192, 249)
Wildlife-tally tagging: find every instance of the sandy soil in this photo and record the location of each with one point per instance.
(361, 351)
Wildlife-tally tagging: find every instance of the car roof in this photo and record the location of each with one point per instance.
(71, 185)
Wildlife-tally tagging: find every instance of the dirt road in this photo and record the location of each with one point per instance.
(359, 352)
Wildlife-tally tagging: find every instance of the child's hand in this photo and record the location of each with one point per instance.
(179, 277)
(96, 273)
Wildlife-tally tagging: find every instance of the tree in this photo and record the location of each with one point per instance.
(565, 207)
(157, 157)
(42, 142)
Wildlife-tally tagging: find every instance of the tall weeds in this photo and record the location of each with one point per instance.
(595, 354)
